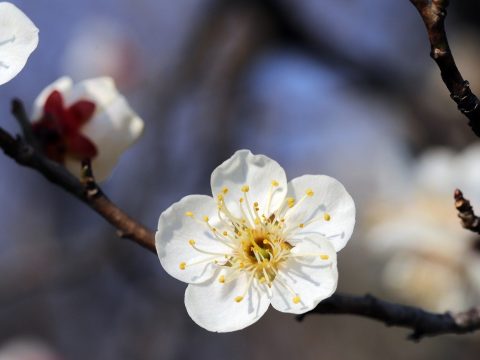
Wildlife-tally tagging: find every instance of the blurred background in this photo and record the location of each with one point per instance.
(338, 87)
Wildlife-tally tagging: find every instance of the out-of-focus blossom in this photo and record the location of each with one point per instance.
(431, 258)
(258, 241)
(26, 349)
(18, 39)
(89, 120)
(99, 47)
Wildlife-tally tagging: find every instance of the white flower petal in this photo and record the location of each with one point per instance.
(100, 90)
(175, 229)
(63, 85)
(113, 128)
(256, 171)
(331, 209)
(18, 39)
(311, 278)
(212, 305)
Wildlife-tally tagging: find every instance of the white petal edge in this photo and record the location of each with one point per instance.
(19, 37)
(329, 198)
(175, 229)
(212, 304)
(311, 278)
(256, 171)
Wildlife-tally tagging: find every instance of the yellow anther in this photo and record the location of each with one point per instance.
(262, 280)
(265, 241)
(238, 299)
(290, 202)
(189, 214)
(225, 190)
(301, 226)
(241, 200)
(326, 217)
(221, 279)
(205, 218)
(245, 188)
(182, 266)
(214, 229)
(255, 204)
(257, 221)
(296, 299)
(275, 183)
(225, 233)
(309, 192)
(324, 257)
(220, 197)
(191, 242)
(241, 265)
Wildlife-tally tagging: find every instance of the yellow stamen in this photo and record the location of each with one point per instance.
(205, 218)
(189, 214)
(225, 190)
(245, 188)
(309, 192)
(301, 226)
(296, 299)
(324, 257)
(221, 279)
(238, 299)
(191, 242)
(275, 183)
(327, 217)
(182, 266)
(290, 202)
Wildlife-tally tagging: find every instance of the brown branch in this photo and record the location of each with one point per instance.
(466, 214)
(423, 323)
(433, 13)
(25, 154)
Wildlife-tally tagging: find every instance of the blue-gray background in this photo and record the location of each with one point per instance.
(339, 87)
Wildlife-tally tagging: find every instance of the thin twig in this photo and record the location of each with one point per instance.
(421, 322)
(433, 13)
(26, 155)
(466, 214)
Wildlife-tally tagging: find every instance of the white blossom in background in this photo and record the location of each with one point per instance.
(431, 260)
(27, 349)
(18, 39)
(258, 241)
(88, 120)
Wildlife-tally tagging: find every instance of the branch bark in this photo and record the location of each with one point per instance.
(421, 322)
(87, 191)
(469, 220)
(433, 13)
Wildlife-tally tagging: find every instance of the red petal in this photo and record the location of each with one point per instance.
(81, 147)
(54, 105)
(80, 112)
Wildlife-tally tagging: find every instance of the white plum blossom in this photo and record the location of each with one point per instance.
(431, 260)
(18, 39)
(88, 120)
(258, 241)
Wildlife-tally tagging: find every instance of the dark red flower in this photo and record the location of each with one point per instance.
(58, 130)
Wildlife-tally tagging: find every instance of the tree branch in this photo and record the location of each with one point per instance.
(433, 13)
(466, 214)
(25, 154)
(423, 323)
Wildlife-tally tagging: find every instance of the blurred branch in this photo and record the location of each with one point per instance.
(25, 154)
(468, 218)
(433, 13)
(422, 323)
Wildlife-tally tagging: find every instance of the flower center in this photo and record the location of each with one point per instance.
(257, 242)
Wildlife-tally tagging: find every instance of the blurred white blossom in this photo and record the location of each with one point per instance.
(431, 258)
(88, 120)
(26, 349)
(18, 39)
(258, 241)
